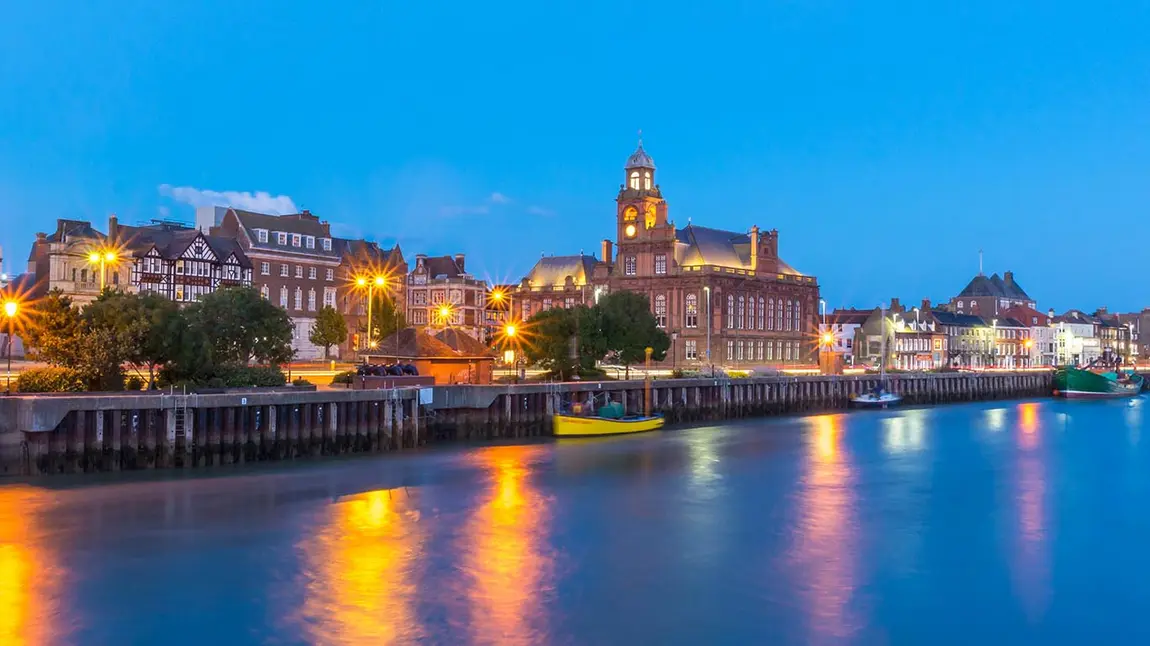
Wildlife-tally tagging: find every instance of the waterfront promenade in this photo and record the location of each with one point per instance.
(1007, 522)
(57, 434)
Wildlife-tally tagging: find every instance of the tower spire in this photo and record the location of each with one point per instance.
(640, 137)
(980, 262)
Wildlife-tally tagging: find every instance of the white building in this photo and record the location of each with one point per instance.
(842, 325)
(1075, 340)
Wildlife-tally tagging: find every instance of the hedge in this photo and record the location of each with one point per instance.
(50, 380)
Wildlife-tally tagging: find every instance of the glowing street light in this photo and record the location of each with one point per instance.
(11, 309)
(103, 258)
(509, 330)
(444, 312)
(371, 284)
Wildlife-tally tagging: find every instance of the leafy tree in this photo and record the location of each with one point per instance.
(56, 331)
(564, 341)
(241, 326)
(329, 329)
(629, 328)
(384, 318)
(145, 328)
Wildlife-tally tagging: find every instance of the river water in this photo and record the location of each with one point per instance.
(1003, 523)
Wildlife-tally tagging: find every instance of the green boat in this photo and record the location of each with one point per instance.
(1073, 383)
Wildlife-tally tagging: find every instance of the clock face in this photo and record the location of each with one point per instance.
(630, 213)
(650, 219)
(629, 231)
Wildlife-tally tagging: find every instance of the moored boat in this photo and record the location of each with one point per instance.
(877, 399)
(1073, 383)
(595, 426)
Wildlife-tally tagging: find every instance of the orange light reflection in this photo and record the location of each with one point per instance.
(508, 562)
(30, 580)
(363, 564)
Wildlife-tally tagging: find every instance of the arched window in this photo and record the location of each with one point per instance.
(779, 319)
(798, 318)
(790, 314)
(661, 311)
(762, 304)
(771, 314)
(750, 312)
(739, 312)
(691, 311)
(635, 180)
(647, 180)
(730, 312)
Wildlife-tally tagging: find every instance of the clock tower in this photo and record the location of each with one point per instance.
(642, 228)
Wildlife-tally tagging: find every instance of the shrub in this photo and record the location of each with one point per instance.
(254, 377)
(134, 383)
(50, 380)
(343, 378)
(300, 381)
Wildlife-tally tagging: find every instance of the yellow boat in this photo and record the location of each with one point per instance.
(573, 426)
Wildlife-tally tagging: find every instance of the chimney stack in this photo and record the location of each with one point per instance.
(926, 304)
(755, 247)
(113, 227)
(459, 261)
(1008, 278)
(895, 306)
(608, 251)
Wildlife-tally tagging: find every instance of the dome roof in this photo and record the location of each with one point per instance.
(640, 159)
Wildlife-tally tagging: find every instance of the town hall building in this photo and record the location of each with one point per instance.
(725, 298)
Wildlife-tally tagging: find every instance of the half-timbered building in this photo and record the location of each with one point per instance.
(182, 264)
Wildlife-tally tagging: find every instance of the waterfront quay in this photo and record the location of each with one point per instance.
(52, 434)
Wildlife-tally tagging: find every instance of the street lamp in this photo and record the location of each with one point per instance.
(11, 309)
(370, 284)
(444, 314)
(994, 342)
(708, 292)
(102, 258)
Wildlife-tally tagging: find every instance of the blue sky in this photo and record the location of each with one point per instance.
(888, 142)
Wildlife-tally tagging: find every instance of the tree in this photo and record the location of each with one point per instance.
(329, 329)
(384, 317)
(629, 328)
(56, 330)
(565, 342)
(241, 326)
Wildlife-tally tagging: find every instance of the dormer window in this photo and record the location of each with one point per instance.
(327, 244)
(262, 235)
(296, 240)
(310, 242)
(635, 180)
(281, 238)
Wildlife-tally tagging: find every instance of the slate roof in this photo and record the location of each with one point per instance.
(706, 246)
(463, 343)
(552, 271)
(73, 229)
(172, 241)
(442, 267)
(304, 224)
(958, 320)
(848, 317)
(994, 286)
(1076, 317)
(640, 159)
(417, 344)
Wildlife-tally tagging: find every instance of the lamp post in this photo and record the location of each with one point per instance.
(708, 292)
(11, 308)
(994, 342)
(370, 284)
(102, 258)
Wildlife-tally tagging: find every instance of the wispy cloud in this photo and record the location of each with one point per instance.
(540, 211)
(260, 201)
(499, 198)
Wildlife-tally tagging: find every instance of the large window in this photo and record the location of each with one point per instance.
(629, 266)
(661, 310)
(762, 304)
(635, 180)
(311, 300)
(691, 312)
(298, 298)
(661, 264)
(739, 311)
(691, 350)
(760, 352)
(790, 315)
(750, 312)
(730, 350)
(647, 180)
(284, 297)
(730, 311)
(770, 314)
(798, 318)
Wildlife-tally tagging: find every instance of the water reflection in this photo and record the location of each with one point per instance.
(996, 419)
(362, 562)
(904, 432)
(30, 578)
(1032, 575)
(508, 561)
(824, 542)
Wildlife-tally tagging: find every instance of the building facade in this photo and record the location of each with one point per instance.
(295, 265)
(441, 294)
(989, 297)
(1139, 325)
(1043, 341)
(725, 298)
(62, 260)
(181, 263)
(1076, 342)
(842, 325)
(363, 261)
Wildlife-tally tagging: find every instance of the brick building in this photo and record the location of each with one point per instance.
(989, 296)
(441, 284)
(367, 260)
(724, 297)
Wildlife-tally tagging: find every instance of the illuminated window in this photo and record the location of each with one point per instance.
(635, 180)
(311, 300)
(739, 351)
(283, 297)
(761, 306)
(771, 314)
(661, 264)
(629, 266)
(790, 317)
(770, 351)
(299, 298)
(691, 316)
(730, 350)
(750, 312)
(779, 316)
(647, 180)
(691, 351)
(739, 314)
(760, 352)
(798, 318)
(265, 292)
(730, 312)
(661, 311)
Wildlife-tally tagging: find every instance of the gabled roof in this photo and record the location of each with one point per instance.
(418, 344)
(706, 246)
(303, 224)
(1076, 317)
(463, 343)
(1025, 313)
(171, 241)
(958, 320)
(849, 317)
(442, 267)
(552, 271)
(994, 286)
(73, 229)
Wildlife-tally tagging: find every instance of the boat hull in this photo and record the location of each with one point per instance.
(880, 402)
(1072, 383)
(571, 426)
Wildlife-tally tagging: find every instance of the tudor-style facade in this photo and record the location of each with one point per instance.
(182, 264)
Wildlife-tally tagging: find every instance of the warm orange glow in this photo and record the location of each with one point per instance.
(361, 281)
(444, 312)
(93, 257)
(11, 308)
(509, 330)
(109, 256)
(497, 296)
(30, 582)
(1029, 343)
(362, 566)
(828, 339)
(380, 281)
(629, 231)
(509, 558)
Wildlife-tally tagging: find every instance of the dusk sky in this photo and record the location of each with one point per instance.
(888, 142)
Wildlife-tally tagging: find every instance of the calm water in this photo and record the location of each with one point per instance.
(1000, 523)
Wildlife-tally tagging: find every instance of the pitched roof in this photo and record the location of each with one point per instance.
(706, 246)
(849, 317)
(73, 229)
(959, 320)
(995, 286)
(303, 224)
(463, 343)
(442, 267)
(1076, 317)
(1024, 313)
(552, 271)
(173, 240)
(418, 344)
(640, 159)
